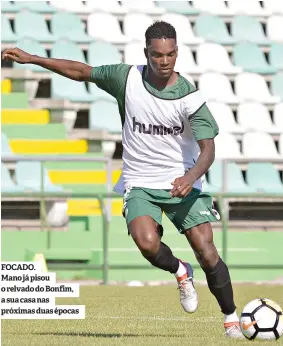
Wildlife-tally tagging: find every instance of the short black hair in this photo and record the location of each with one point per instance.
(160, 30)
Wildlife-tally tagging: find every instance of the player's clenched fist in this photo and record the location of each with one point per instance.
(17, 55)
(182, 186)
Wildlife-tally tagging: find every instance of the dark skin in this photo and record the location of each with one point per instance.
(161, 57)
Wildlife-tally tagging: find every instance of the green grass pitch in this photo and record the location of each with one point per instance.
(119, 315)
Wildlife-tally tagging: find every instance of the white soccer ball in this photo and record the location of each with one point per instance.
(262, 319)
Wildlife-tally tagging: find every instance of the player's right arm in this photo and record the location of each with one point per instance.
(71, 69)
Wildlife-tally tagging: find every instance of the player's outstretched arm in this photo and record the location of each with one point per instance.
(71, 69)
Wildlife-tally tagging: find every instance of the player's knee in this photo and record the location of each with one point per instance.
(207, 256)
(148, 245)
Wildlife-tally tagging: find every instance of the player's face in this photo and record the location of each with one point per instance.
(161, 55)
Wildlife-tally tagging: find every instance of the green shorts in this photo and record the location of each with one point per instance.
(194, 209)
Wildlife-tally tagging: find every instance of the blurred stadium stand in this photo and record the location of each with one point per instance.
(234, 45)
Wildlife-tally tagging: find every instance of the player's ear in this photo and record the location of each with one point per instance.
(177, 51)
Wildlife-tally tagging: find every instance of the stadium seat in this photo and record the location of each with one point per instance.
(105, 116)
(111, 6)
(45, 131)
(145, 6)
(249, 56)
(185, 62)
(103, 53)
(222, 93)
(105, 26)
(275, 55)
(23, 27)
(31, 46)
(214, 57)
(5, 146)
(16, 100)
(69, 26)
(224, 117)
(65, 49)
(35, 6)
(248, 7)
(9, 7)
(70, 6)
(275, 6)
(7, 184)
(179, 7)
(28, 175)
(7, 34)
(278, 116)
(66, 89)
(183, 28)
(134, 54)
(24, 116)
(264, 177)
(259, 145)
(246, 28)
(213, 29)
(6, 86)
(217, 7)
(134, 31)
(207, 187)
(274, 28)
(253, 87)
(235, 182)
(277, 85)
(226, 146)
(253, 116)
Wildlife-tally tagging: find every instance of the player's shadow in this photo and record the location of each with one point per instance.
(106, 335)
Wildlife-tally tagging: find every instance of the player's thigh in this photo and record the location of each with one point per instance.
(144, 223)
(195, 209)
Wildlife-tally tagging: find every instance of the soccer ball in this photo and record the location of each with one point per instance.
(262, 319)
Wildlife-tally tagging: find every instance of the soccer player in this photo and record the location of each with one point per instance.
(168, 145)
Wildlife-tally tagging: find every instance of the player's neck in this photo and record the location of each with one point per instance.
(160, 83)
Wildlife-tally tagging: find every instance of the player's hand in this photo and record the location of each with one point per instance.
(17, 55)
(182, 186)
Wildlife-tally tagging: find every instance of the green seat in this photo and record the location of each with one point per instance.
(31, 46)
(35, 6)
(105, 116)
(9, 7)
(277, 85)
(103, 53)
(264, 177)
(14, 100)
(247, 28)
(31, 24)
(69, 25)
(276, 54)
(249, 56)
(213, 28)
(7, 34)
(180, 7)
(48, 131)
(65, 49)
(235, 184)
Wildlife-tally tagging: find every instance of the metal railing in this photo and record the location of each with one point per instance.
(221, 198)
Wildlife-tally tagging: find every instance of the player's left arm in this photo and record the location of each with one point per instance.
(205, 129)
